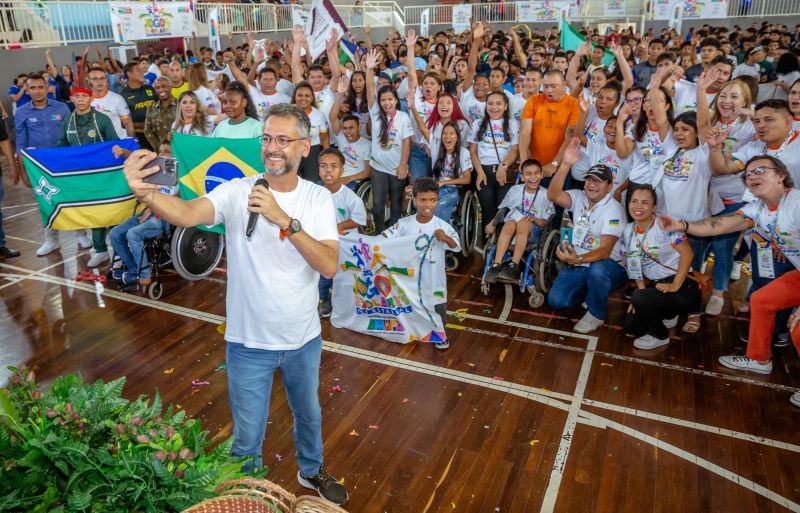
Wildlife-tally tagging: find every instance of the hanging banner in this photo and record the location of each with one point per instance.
(614, 8)
(136, 21)
(300, 15)
(541, 12)
(675, 15)
(424, 22)
(692, 9)
(378, 289)
(461, 16)
(213, 30)
(323, 19)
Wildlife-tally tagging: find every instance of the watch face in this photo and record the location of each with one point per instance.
(295, 226)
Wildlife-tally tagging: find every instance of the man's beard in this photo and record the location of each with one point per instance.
(288, 166)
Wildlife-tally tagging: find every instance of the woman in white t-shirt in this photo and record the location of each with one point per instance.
(787, 72)
(452, 169)
(303, 97)
(191, 117)
(391, 147)
(659, 262)
(731, 115)
(198, 83)
(494, 147)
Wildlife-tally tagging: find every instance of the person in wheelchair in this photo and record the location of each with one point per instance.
(452, 169)
(524, 211)
(128, 238)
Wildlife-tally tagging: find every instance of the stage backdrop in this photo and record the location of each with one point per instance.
(135, 21)
(377, 289)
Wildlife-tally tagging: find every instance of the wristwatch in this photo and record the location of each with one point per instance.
(554, 164)
(294, 227)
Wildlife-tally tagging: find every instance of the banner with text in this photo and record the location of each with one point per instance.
(424, 22)
(136, 21)
(323, 19)
(540, 12)
(692, 9)
(213, 30)
(614, 8)
(378, 289)
(300, 15)
(461, 17)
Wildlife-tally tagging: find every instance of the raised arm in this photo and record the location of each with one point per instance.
(624, 67)
(555, 191)
(717, 161)
(372, 62)
(331, 45)
(333, 115)
(657, 101)
(708, 227)
(574, 63)
(412, 109)
(580, 127)
(52, 70)
(703, 115)
(623, 146)
(195, 48)
(411, 61)
(478, 30)
(523, 59)
(298, 36)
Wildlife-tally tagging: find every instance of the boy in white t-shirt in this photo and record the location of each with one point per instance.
(425, 195)
(355, 149)
(528, 211)
(350, 211)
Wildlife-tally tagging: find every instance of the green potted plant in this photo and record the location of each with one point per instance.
(81, 447)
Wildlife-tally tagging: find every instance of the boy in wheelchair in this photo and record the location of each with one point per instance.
(523, 213)
(128, 238)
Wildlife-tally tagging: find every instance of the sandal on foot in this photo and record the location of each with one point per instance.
(692, 324)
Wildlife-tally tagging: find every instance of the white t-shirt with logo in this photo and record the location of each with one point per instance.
(207, 98)
(656, 248)
(425, 110)
(595, 154)
(731, 187)
(355, 154)
(684, 98)
(781, 227)
(448, 169)
(472, 108)
(115, 107)
(264, 101)
(349, 206)
(502, 141)
(319, 125)
(434, 141)
(683, 188)
(788, 153)
(647, 155)
(323, 100)
(594, 126)
(606, 217)
(435, 278)
(516, 105)
(522, 203)
(272, 306)
(387, 159)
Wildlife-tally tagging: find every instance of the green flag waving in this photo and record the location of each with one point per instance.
(571, 39)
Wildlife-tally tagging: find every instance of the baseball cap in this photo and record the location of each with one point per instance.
(601, 172)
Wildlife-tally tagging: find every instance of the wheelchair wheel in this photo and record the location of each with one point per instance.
(470, 223)
(155, 290)
(450, 262)
(485, 288)
(536, 299)
(549, 263)
(365, 193)
(196, 252)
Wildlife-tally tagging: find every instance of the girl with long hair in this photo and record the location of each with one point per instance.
(303, 97)
(494, 147)
(421, 103)
(355, 102)
(391, 146)
(447, 110)
(242, 122)
(198, 83)
(191, 117)
(452, 169)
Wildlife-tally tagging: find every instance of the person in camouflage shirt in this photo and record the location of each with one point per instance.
(161, 115)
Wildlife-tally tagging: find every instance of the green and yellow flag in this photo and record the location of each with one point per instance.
(571, 39)
(80, 186)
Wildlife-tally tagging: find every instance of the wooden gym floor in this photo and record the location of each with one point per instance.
(519, 415)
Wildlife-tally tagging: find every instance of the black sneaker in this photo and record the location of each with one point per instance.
(782, 340)
(326, 486)
(510, 272)
(326, 309)
(7, 252)
(493, 272)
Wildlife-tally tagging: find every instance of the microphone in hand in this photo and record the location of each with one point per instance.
(251, 222)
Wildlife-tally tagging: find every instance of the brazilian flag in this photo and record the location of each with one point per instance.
(206, 162)
(571, 39)
(81, 186)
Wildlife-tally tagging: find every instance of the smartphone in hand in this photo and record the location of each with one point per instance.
(167, 171)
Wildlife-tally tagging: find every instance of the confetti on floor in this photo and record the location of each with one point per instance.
(503, 355)
(354, 433)
(220, 368)
(278, 457)
(454, 326)
(372, 426)
(336, 389)
(221, 329)
(404, 401)
(606, 365)
(169, 371)
(199, 383)
(534, 442)
(471, 365)
(459, 314)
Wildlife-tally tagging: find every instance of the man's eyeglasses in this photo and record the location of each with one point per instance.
(281, 141)
(760, 170)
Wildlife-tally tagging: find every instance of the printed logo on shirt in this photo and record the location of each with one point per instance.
(350, 156)
(678, 168)
(474, 112)
(56, 117)
(149, 92)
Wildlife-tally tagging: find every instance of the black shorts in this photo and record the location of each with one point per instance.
(3, 133)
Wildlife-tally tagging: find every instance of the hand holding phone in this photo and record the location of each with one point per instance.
(167, 171)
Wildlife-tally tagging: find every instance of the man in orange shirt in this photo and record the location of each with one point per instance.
(544, 122)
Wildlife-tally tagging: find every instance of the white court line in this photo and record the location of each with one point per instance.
(509, 299)
(22, 205)
(12, 216)
(11, 281)
(542, 396)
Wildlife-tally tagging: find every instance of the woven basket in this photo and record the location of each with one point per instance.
(248, 495)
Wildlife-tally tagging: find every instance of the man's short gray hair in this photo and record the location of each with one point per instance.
(288, 110)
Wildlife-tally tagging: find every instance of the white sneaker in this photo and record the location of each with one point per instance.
(795, 399)
(714, 305)
(48, 246)
(745, 363)
(670, 323)
(736, 272)
(97, 259)
(649, 342)
(588, 323)
(583, 305)
(83, 241)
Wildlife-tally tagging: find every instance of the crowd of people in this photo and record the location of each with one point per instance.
(664, 149)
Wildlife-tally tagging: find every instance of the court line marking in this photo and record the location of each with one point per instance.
(34, 204)
(12, 216)
(546, 397)
(509, 299)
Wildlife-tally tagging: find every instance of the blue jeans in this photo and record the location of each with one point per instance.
(127, 239)
(249, 387)
(594, 283)
(448, 201)
(419, 163)
(325, 285)
(723, 251)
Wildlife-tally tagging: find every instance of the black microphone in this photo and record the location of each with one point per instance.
(251, 223)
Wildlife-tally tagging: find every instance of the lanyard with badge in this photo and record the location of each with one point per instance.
(528, 212)
(388, 144)
(582, 225)
(766, 263)
(634, 257)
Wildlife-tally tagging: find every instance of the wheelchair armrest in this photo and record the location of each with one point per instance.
(501, 214)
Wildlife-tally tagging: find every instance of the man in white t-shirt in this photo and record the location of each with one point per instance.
(356, 150)
(272, 294)
(264, 96)
(111, 104)
(592, 269)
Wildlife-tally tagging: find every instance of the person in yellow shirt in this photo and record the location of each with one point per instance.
(175, 73)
